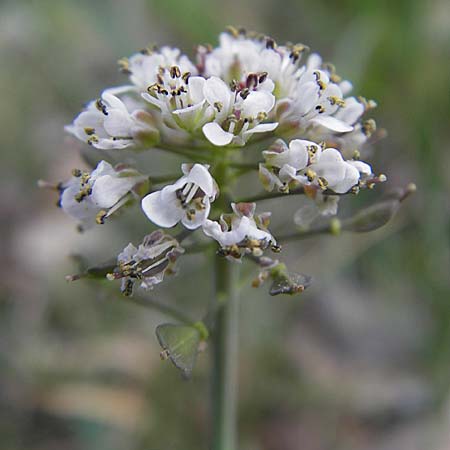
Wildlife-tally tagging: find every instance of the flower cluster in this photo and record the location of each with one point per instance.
(246, 85)
(246, 92)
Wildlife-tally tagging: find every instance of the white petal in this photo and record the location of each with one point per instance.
(270, 62)
(118, 123)
(332, 124)
(307, 97)
(351, 111)
(84, 211)
(163, 214)
(351, 177)
(256, 102)
(113, 102)
(103, 168)
(261, 128)
(248, 228)
(202, 178)
(330, 166)
(361, 166)
(108, 190)
(217, 91)
(216, 135)
(108, 144)
(152, 100)
(287, 173)
(331, 155)
(267, 85)
(190, 117)
(245, 228)
(196, 86)
(345, 86)
(314, 61)
(298, 154)
(213, 229)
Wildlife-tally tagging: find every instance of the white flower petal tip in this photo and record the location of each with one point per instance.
(158, 212)
(216, 135)
(333, 124)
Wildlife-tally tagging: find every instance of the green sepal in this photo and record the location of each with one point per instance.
(290, 284)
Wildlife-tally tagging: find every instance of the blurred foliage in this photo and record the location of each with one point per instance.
(361, 361)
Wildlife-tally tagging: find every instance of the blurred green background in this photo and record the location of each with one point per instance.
(360, 361)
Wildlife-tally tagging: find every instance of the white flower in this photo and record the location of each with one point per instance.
(92, 197)
(145, 67)
(239, 56)
(186, 201)
(225, 116)
(241, 232)
(238, 113)
(149, 263)
(107, 123)
(306, 163)
(181, 99)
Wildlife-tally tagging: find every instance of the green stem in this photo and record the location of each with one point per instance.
(158, 179)
(191, 155)
(269, 196)
(225, 356)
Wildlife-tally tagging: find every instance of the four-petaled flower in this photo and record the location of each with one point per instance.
(148, 263)
(188, 200)
(241, 232)
(106, 123)
(92, 197)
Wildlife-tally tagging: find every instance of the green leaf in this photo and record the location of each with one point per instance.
(180, 344)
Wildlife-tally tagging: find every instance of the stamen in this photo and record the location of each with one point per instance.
(100, 105)
(335, 100)
(175, 72)
(192, 193)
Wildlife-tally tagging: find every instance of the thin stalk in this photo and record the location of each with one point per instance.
(163, 308)
(191, 155)
(270, 196)
(158, 179)
(225, 356)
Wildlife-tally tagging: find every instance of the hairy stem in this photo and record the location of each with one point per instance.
(225, 356)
